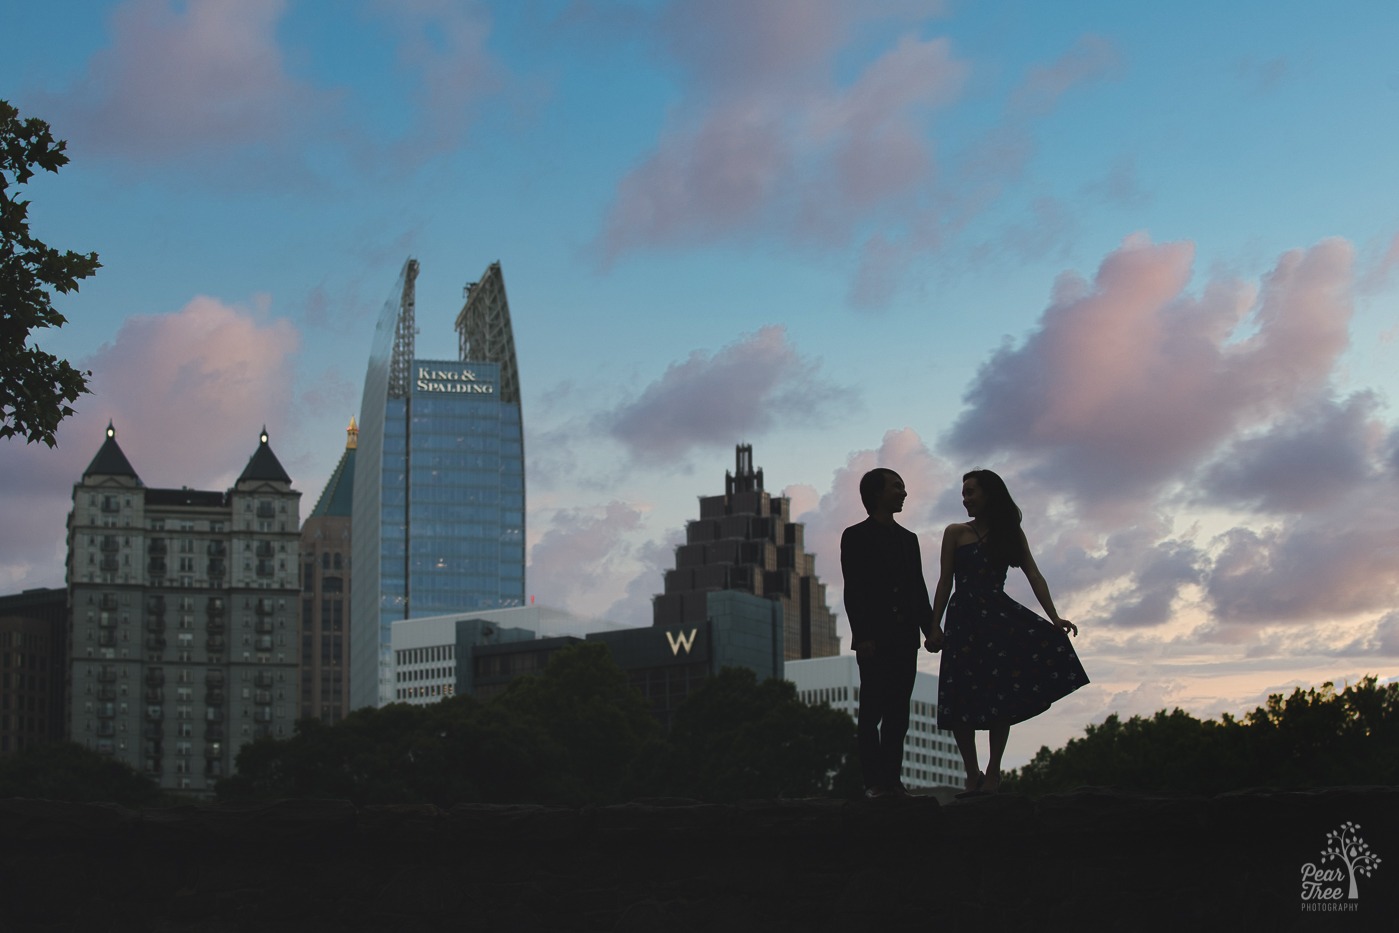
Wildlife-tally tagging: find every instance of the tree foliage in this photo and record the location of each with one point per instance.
(67, 771)
(35, 387)
(578, 733)
(735, 738)
(1312, 738)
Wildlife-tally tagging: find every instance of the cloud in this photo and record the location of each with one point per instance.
(1128, 382)
(1308, 459)
(443, 45)
(1091, 58)
(767, 139)
(1312, 568)
(716, 400)
(583, 555)
(188, 393)
(209, 84)
(194, 78)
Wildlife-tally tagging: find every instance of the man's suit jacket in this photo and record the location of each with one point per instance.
(886, 598)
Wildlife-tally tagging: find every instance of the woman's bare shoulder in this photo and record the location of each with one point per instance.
(958, 534)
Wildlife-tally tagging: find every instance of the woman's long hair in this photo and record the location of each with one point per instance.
(1002, 516)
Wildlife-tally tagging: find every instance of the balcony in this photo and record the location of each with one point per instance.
(156, 546)
(215, 607)
(106, 729)
(262, 697)
(213, 736)
(107, 602)
(214, 697)
(109, 564)
(155, 642)
(262, 714)
(217, 549)
(110, 504)
(108, 676)
(263, 679)
(213, 679)
(106, 638)
(106, 620)
(152, 730)
(155, 677)
(156, 567)
(216, 643)
(156, 625)
(106, 692)
(264, 606)
(262, 643)
(155, 694)
(263, 627)
(216, 627)
(266, 568)
(155, 605)
(155, 714)
(110, 545)
(266, 510)
(106, 710)
(213, 768)
(264, 549)
(218, 569)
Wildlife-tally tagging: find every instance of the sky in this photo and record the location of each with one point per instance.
(1141, 259)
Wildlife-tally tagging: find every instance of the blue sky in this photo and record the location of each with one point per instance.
(1138, 258)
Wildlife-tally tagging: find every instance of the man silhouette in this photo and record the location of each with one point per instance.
(886, 601)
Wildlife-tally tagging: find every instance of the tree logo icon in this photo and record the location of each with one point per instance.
(1344, 861)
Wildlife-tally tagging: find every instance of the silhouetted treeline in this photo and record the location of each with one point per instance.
(1313, 738)
(577, 733)
(67, 771)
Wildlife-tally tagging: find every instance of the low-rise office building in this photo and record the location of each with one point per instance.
(931, 758)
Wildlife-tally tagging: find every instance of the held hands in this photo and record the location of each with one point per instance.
(1064, 624)
(934, 641)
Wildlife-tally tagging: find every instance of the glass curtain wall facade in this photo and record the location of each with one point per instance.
(439, 503)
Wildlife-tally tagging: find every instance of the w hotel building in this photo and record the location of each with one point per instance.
(438, 511)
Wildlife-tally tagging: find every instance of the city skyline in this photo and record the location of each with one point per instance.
(1139, 260)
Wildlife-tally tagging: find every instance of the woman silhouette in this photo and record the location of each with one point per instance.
(1001, 663)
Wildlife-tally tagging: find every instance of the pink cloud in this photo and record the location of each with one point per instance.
(1129, 381)
(1090, 59)
(1308, 459)
(1310, 569)
(188, 393)
(718, 399)
(769, 141)
(583, 556)
(198, 77)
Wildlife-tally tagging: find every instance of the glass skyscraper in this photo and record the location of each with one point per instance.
(438, 521)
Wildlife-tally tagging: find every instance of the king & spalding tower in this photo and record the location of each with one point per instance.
(438, 514)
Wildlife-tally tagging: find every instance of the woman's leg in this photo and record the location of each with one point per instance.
(966, 744)
(1000, 734)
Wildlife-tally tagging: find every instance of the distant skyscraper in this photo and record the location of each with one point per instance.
(439, 487)
(325, 594)
(34, 662)
(745, 540)
(183, 634)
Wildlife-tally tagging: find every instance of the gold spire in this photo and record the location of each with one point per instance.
(352, 435)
